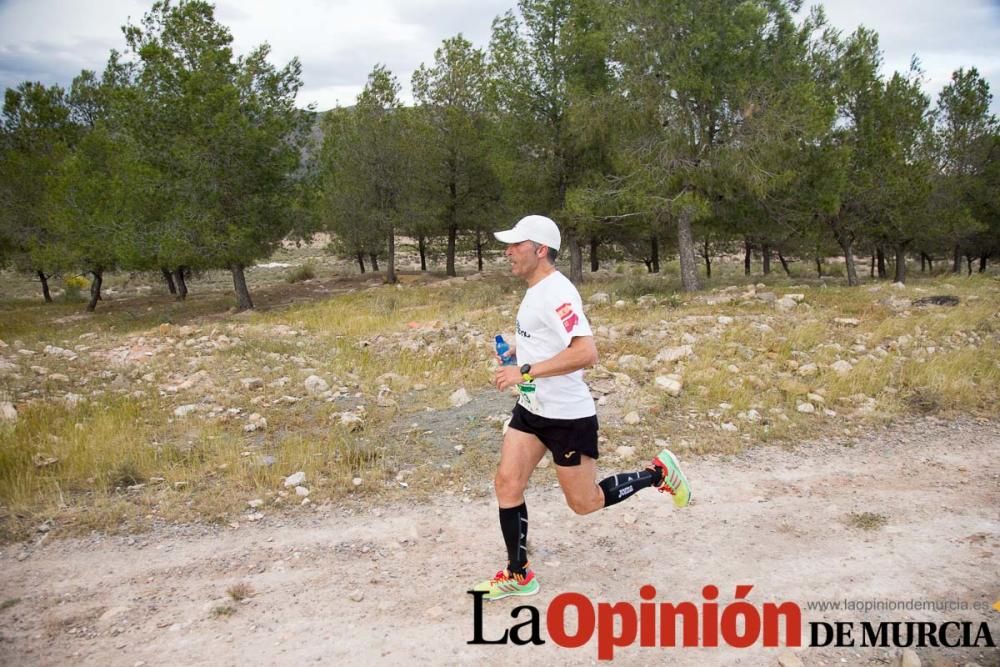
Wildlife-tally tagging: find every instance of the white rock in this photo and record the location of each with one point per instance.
(459, 397)
(730, 427)
(733, 368)
(255, 503)
(252, 383)
(898, 286)
(806, 408)
(751, 416)
(725, 319)
(619, 304)
(847, 321)
(815, 398)
(8, 412)
(301, 491)
(788, 659)
(599, 297)
(767, 297)
(842, 367)
(908, 658)
(668, 354)
(807, 370)
(356, 595)
(786, 304)
(797, 298)
(624, 452)
(351, 421)
(670, 385)
(295, 479)
(316, 385)
(357, 481)
(632, 361)
(632, 418)
(185, 410)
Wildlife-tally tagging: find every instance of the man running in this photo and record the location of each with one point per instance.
(555, 410)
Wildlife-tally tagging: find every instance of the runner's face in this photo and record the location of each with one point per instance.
(523, 258)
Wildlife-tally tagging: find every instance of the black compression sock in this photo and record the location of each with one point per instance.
(624, 485)
(514, 526)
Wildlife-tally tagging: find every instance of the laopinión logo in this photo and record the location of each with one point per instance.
(737, 624)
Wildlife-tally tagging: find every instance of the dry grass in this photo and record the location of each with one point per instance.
(123, 461)
(241, 591)
(867, 520)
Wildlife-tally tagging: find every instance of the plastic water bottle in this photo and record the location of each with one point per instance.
(503, 348)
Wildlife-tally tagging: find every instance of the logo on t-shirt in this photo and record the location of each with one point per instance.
(568, 317)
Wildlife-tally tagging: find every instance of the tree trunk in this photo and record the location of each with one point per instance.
(594, 263)
(373, 258)
(708, 259)
(900, 276)
(649, 265)
(784, 264)
(685, 245)
(880, 258)
(95, 289)
(748, 252)
(845, 239)
(968, 262)
(361, 261)
(45, 286)
(982, 261)
(765, 253)
(819, 267)
(182, 288)
(390, 272)
(957, 265)
(450, 260)
(169, 278)
(480, 244)
(654, 259)
(575, 258)
(243, 301)
(871, 273)
(422, 247)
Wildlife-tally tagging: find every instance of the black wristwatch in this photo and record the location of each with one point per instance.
(526, 372)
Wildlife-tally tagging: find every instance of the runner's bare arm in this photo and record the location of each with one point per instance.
(581, 353)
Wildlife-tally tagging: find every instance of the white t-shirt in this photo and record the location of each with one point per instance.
(550, 316)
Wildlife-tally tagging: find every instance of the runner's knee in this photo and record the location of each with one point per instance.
(508, 486)
(581, 504)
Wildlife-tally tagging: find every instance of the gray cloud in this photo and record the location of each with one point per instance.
(338, 42)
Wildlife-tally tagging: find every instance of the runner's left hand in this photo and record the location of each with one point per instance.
(506, 376)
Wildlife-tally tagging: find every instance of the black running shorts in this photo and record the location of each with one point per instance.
(567, 439)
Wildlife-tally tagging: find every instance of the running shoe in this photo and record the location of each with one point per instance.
(504, 584)
(674, 482)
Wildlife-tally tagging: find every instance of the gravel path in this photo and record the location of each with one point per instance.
(378, 585)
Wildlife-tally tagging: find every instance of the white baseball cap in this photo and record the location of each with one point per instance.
(535, 228)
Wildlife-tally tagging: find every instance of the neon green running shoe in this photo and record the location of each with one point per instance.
(674, 482)
(504, 584)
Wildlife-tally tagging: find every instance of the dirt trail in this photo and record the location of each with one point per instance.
(776, 518)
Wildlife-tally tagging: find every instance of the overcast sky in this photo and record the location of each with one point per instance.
(339, 41)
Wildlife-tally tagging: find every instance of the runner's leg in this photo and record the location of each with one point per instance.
(584, 495)
(519, 455)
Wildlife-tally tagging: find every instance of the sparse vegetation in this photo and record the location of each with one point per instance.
(867, 520)
(241, 591)
(223, 611)
(117, 457)
(300, 273)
